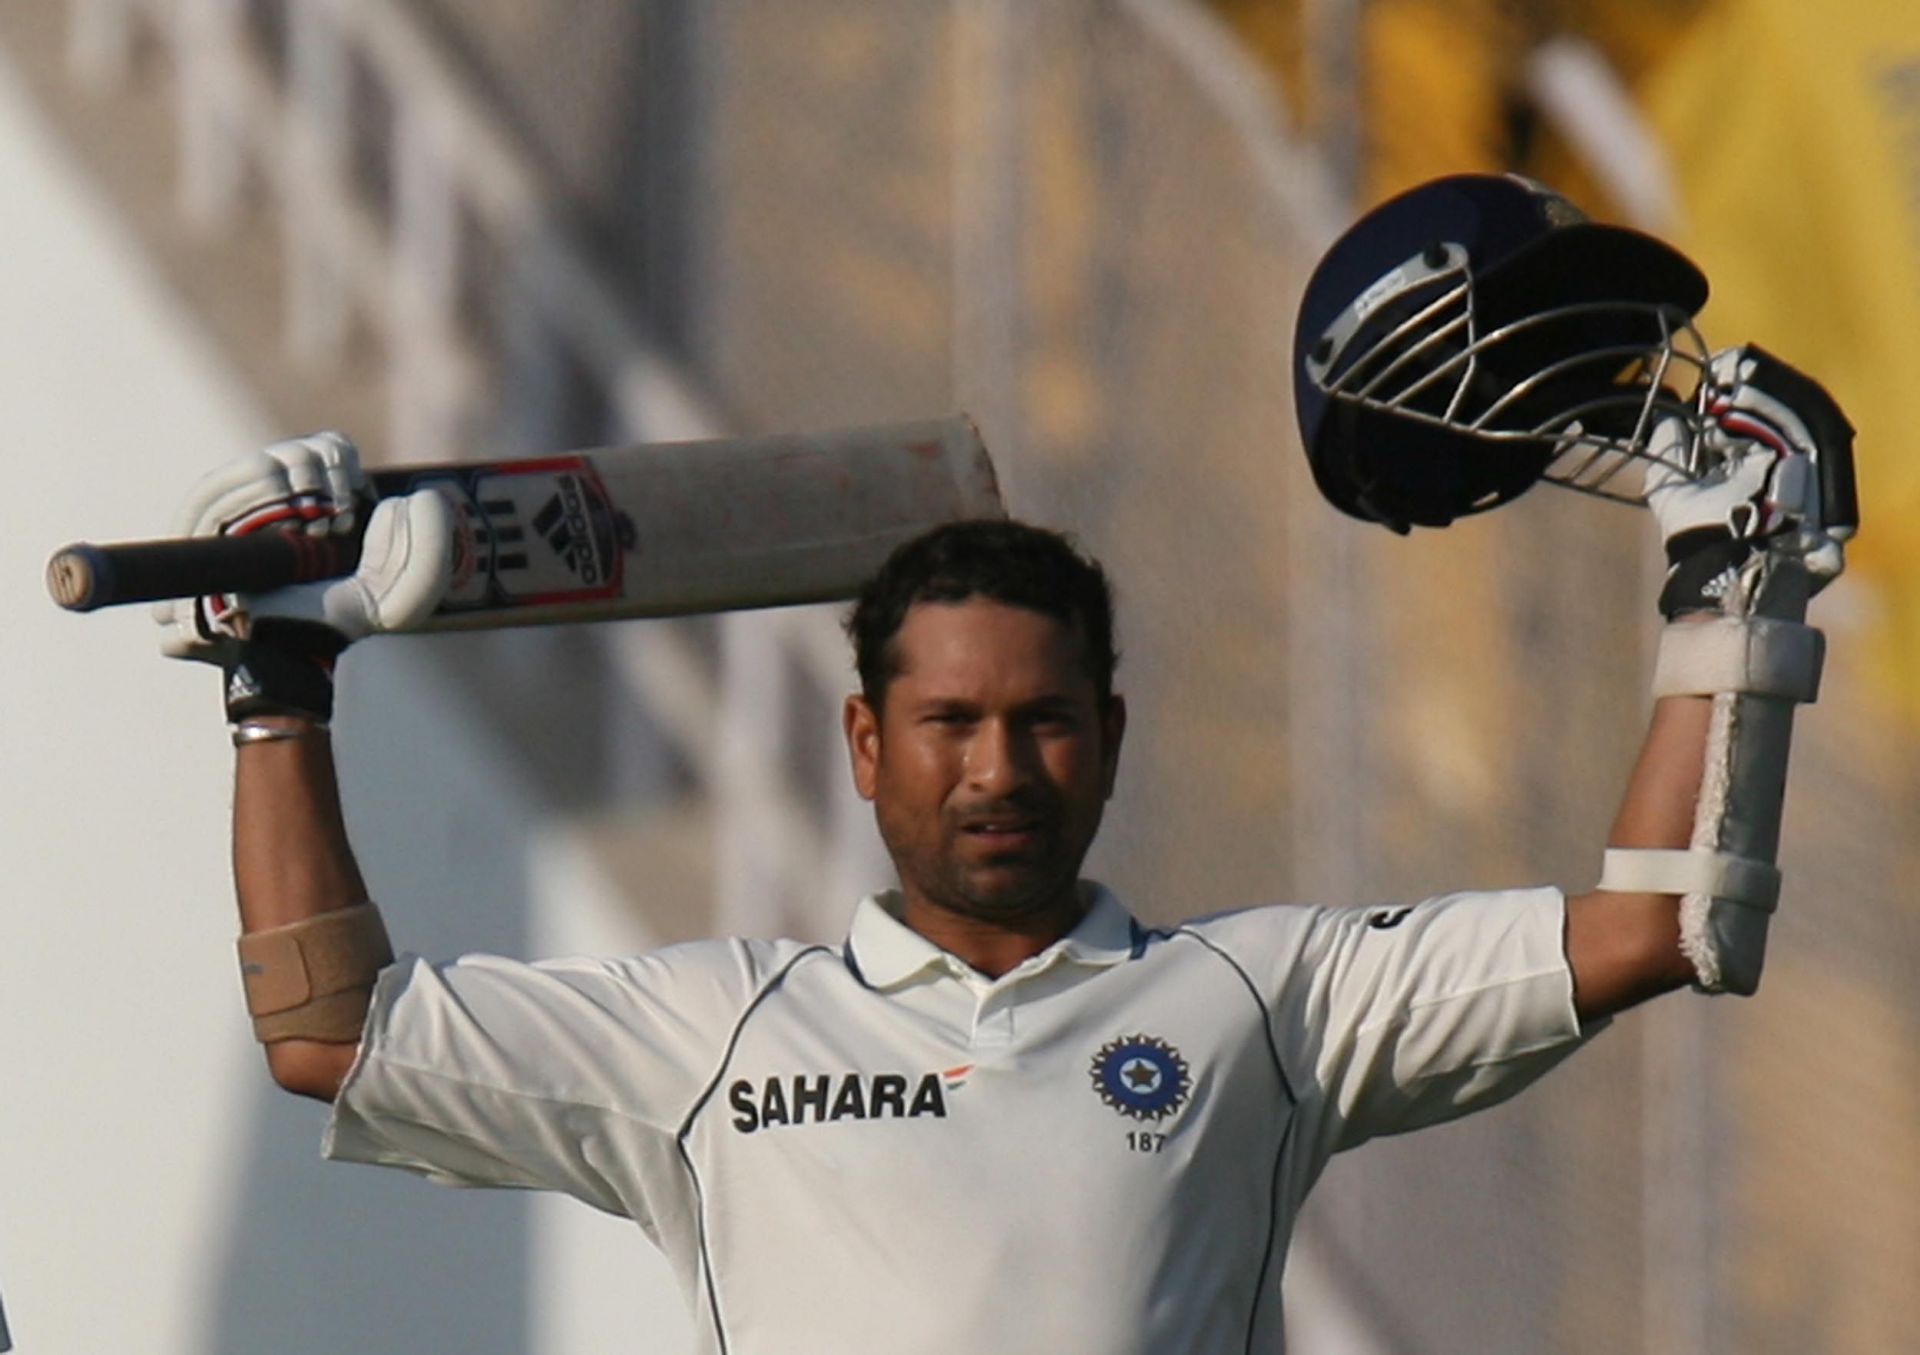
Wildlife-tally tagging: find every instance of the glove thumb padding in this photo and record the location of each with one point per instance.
(406, 561)
(406, 566)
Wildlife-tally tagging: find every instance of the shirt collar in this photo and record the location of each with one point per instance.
(886, 952)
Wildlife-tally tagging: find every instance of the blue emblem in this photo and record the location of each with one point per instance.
(1141, 1076)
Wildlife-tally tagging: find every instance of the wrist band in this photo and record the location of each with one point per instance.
(252, 731)
(290, 678)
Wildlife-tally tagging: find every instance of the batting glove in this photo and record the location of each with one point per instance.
(1757, 481)
(278, 649)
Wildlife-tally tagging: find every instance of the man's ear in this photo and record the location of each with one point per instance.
(861, 724)
(1113, 728)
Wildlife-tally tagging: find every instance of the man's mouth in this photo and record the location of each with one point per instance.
(1009, 833)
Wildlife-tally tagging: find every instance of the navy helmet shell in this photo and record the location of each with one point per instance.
(1553, 283)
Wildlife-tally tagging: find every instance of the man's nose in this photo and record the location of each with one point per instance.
(999, 758)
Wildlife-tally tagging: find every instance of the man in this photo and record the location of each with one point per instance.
(1002, 1115)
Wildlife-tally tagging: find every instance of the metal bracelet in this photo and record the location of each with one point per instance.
(253, 731)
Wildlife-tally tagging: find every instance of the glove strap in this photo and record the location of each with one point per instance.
(1703, 565)
(284, 668)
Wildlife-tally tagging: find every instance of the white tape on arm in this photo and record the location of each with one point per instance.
(1755, 656)
(1646, 870)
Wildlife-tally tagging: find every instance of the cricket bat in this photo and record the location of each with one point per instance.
(660, 529)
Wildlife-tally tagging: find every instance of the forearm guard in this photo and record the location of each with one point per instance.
(1756, 661)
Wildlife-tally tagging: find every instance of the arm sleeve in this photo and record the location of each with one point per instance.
(566, 1075)
(1410, 1016)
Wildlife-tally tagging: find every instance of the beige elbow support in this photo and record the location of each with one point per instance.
(313, 979)
(1757, 662)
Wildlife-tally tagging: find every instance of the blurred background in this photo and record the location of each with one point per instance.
(461, 228)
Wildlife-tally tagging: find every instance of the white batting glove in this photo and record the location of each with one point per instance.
(1736, 491)
(1751, 398)
(278, 648)
(406, 563)
(312, 483)
(1711, 525)
(1756, 485)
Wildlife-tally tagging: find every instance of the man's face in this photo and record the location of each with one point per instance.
(990, 760)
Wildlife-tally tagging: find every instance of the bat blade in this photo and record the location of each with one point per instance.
(656, 530)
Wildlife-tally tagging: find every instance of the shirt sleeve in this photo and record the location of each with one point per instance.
(1401, 1017)
(567, 1075)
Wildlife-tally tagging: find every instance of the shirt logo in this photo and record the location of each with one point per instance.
(820, 1097)
(1141, 1076)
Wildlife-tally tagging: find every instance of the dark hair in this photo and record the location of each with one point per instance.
(1011, 562)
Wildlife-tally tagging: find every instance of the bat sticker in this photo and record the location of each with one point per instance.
(532, 533)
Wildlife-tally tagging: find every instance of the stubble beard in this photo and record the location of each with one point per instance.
(1034, 889)
(985, 892)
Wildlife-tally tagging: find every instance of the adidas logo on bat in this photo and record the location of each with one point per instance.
(562, 521)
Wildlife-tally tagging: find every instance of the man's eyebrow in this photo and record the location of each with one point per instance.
(1044, 703)
(1052, 701)
(943, 703)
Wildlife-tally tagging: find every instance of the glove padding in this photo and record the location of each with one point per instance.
(311, 484)
(406, 563)
(1758, 484)
(278, 648)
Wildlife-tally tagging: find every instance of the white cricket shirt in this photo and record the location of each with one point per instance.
(870, 1147)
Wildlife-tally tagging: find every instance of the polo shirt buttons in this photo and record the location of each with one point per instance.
(993, 1029)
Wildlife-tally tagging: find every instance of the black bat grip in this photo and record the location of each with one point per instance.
(84, 576)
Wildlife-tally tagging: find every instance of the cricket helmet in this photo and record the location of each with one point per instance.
(1478, 334)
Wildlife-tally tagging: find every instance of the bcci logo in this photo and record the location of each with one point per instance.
(1142, 1077)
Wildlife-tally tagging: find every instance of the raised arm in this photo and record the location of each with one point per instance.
(292, 863)
(1689, 882)
(311, 942)
(1624, 948)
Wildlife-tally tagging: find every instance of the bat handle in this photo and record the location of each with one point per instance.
(84, 576)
